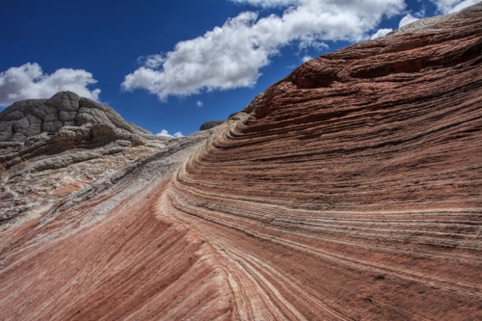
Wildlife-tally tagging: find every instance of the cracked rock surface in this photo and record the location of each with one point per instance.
(50, 148)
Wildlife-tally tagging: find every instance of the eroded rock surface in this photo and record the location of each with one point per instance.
(210, 124)
(65, 110)
(50, 148)
(350, 190)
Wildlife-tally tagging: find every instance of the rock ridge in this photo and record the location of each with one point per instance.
(52, 147)
(352, 189)
(32, 117)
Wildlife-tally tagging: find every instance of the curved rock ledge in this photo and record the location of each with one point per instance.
(353, 190)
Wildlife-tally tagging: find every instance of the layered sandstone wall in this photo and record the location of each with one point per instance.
(350, 190)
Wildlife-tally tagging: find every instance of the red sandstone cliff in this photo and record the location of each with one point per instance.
(350, 190)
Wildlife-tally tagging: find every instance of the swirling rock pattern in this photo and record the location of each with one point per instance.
(50, 148)
(350, 190)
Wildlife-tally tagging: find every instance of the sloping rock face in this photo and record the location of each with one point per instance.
(350, 190)
(52, 147)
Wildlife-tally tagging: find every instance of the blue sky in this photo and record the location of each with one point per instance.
(169, 66)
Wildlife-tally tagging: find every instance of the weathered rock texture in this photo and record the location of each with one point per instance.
(65, 110)
(350, 190)
(210, 124)
(52, 147)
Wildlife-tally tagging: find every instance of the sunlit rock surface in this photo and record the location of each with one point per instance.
(350, 190)
(50, 148)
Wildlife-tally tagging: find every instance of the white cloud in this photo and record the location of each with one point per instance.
(165, 133)
(306, 58)
(199, 103)
(178, 134)
(463, 5)
(267, 3)
(445, 6)
(152, 61)
(231, 56)
(29, 81)
(407, 20)
(381, 33)
(450, 6)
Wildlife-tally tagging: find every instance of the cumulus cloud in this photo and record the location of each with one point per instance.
(306, 58)
(267, 3)
(165, 133)
(451, 6)
(407, 20)
(199, 103)
(29, 81)
(381, 33)
(232, 56)
(463, 5)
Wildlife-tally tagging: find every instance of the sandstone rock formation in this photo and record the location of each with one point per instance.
(210, 124)
(64, 110)
(350, 190)
(52, 147)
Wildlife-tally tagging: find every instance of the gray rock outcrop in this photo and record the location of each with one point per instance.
(210, 124)
(50, 148)
(28, 118)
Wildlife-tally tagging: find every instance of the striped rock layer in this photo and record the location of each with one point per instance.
(350, 190)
